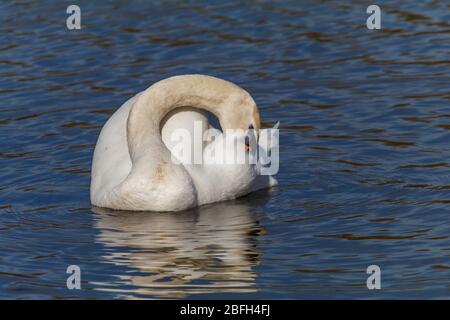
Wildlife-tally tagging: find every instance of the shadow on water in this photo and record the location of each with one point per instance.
(210, 249)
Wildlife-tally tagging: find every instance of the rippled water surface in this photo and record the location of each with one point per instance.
(365, 150)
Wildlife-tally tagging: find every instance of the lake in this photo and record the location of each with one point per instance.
(364, 150)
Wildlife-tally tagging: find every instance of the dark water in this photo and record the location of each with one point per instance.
(365, 150)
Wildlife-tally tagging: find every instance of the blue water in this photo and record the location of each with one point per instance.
(365, 131)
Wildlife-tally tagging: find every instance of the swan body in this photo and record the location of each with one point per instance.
(133, 166)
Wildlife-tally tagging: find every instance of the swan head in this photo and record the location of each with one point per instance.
(228, 160)
(239, 111)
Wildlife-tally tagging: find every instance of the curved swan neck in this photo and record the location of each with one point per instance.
(232, 105)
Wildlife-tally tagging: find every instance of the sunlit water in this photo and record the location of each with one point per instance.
(365, 151)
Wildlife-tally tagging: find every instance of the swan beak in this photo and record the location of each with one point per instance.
(247, 144)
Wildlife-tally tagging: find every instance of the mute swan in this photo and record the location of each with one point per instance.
(133, 167)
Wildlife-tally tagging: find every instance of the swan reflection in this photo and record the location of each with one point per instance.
(211, 249)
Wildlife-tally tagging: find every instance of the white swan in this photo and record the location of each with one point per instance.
(132, 168)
